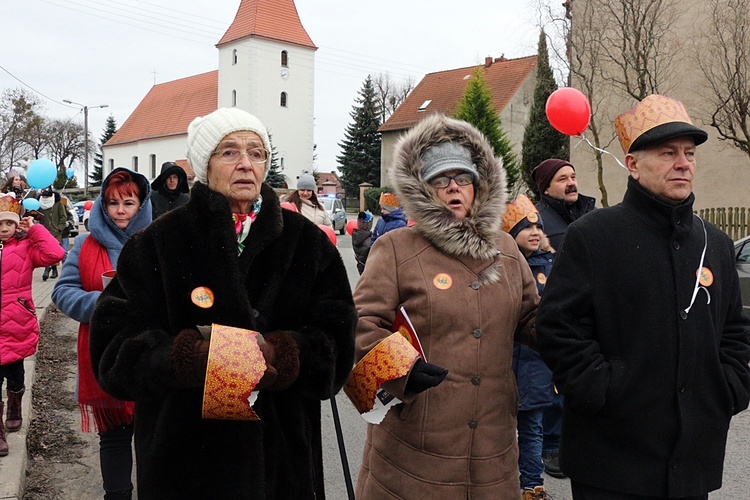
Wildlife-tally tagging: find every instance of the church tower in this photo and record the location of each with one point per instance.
(266, 67)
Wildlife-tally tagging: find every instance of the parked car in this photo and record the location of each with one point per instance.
(742, 252)
(336, 213)
(79, 206)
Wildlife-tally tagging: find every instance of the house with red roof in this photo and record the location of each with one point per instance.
(511, 82)
(266, 67)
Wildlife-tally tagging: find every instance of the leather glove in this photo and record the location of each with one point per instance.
(424, 376)
(189, 357)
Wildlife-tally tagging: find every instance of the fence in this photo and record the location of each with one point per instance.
(734, 221)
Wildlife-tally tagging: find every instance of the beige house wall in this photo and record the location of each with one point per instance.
(723, 171)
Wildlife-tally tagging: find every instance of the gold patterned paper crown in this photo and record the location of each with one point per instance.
(655, 119)
(9, 208)
(519, 210)
(389, 200)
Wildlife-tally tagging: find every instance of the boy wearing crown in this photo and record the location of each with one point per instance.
(641, 322)
(392, 216)
(24, 246)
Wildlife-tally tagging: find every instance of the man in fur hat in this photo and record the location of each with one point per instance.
(641, 322)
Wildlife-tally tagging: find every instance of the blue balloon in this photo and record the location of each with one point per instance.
(42, 173)
(31, 204)
(70, 173)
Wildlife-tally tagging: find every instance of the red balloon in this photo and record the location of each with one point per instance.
(88, 205)
(568, 111)
(329, 231)
(351, 226)
(289, 206)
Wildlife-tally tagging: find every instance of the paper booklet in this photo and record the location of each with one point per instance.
(402, 324)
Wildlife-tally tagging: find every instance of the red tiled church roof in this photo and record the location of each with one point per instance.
(445, 89)
(169, 108)
(275, 20)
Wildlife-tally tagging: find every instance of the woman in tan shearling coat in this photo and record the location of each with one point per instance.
(469, 292)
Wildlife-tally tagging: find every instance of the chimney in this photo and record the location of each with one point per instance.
(501, 58)
(488, 61)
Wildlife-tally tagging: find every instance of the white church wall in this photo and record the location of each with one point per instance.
(150, 155)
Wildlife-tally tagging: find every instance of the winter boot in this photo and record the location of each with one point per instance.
(54, 272)
(3, 442)
(45, 275)
(537, 493)
(13, 421)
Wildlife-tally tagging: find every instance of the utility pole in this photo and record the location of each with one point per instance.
(86, 142)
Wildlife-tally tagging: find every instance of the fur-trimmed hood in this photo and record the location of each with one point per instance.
(474, 236)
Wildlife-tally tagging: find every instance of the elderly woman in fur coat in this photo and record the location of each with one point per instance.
(469, 292)
(257, 267)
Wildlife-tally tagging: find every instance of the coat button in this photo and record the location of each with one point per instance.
(475, 380)
(683, 315)
(473, 423)
(477, 333)
(676, 245)
(474, 285)
(256, 313)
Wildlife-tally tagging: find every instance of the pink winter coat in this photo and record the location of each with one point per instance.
(19, 328)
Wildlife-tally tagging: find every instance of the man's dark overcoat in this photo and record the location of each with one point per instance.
(650, 387)
(288, 278)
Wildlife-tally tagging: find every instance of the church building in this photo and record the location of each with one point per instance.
(266, 67)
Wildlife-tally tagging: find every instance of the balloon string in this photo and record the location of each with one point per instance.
(586, 140)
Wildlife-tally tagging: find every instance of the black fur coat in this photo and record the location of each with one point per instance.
(288, 278)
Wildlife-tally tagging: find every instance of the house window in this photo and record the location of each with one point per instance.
(424, 105)
(284, 58)
(283, 99)
(234, 57)
(134, 164)
(111, 164)
(152, 164)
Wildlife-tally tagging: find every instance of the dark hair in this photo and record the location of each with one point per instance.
(295, 199)
(8, 186)
(122, 183)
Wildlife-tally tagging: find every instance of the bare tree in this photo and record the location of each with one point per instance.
(65, 142)
(724, 60)
(390, 94)
(638, 44)
(17, 109)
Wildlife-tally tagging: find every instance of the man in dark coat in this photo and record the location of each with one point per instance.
(169, 190)
(560, 204)
(641, 322)
(230, 256)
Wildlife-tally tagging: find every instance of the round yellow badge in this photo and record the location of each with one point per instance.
(541, 278)
(442, 281)
(707, 277)
(533, 217)
(202, 296)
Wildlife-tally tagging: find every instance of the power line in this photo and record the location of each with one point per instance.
(33, 89)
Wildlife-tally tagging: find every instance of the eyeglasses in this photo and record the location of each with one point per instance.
(233, 155)
(442, 182)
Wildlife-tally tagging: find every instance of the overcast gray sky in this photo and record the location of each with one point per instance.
(112, 51)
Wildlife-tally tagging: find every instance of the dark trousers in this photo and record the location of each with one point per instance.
(585, 492)
(14, 374)
(116, 461)
(552, 423)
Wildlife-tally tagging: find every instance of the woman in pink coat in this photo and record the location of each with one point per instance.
(23, 247)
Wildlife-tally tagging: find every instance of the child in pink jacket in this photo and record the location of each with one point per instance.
(23, 247)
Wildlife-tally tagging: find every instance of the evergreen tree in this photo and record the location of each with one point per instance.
(96, 175)
(540, 140)
(274, 178)
(476, 108)
(360, 151)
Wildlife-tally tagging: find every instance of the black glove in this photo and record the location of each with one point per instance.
(424, 376)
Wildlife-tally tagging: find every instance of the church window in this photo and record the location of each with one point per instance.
(234, 56)
(111, 164)
(234, 98)
(134, 164)
(283, 99)
(284, 58)
(152, 164)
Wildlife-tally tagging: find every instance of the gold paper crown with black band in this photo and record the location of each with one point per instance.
(653, 120)
(9, 208)
(389, 200)
(519, 210)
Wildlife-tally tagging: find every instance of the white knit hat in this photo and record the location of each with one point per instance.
(206, 132)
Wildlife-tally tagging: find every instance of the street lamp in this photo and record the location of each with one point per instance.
(86, 142)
